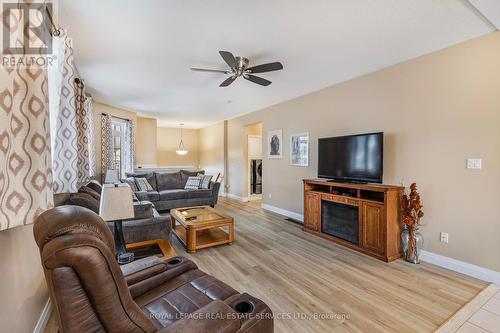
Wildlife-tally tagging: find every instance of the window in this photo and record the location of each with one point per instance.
(119, 129)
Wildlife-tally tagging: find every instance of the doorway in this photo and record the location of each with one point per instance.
(253, 140)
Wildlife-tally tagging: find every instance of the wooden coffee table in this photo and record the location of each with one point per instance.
(201, 227)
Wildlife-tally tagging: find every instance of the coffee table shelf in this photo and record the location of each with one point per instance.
(201, 227)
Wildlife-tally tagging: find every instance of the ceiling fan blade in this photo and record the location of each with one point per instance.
(272, 66)
(209, 70)
(258, 80)
(228, 58)
(228, 81)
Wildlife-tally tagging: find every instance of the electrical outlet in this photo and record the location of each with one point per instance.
(474, 163)
(444, 237)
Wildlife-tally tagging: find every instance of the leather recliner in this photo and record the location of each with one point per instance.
(92, 293)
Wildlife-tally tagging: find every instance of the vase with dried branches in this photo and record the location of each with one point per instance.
(412, 217)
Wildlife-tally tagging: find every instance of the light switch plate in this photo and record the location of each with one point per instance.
(474, 163)
(444, 237)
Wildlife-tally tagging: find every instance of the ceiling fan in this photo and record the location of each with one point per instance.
(238, 66)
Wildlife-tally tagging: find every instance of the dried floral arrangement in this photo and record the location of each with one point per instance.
(412, 209)
(412, 217)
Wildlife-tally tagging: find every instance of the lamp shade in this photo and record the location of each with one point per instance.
(116, 202)
(111, 177)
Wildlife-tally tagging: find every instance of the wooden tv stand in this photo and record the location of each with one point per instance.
(379, 214)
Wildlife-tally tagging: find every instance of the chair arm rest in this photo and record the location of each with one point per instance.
(142, 269)
(215, 187)
(216, 316)
(173, 267)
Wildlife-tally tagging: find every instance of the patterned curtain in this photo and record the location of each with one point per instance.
(84, 129)
(72, 131)
(25, 160)
(88, 106)
(106, 145)
(128, 163)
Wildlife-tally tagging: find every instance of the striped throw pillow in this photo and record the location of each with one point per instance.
(205, 180)
(193, 183)
(143, 184)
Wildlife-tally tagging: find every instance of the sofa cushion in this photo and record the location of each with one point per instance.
(201, 193)
(83, 200)
(169, 181)
(148, 196)
(185, 174)
(150, 177)
(173, 194)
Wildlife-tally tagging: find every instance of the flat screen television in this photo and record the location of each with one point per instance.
(353, 158)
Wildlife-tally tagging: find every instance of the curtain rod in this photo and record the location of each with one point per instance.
(107, 114)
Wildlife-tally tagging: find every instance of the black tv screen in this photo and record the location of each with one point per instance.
(357, 158)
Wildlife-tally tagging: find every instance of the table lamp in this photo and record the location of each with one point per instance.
(111, 177)
(116, 205)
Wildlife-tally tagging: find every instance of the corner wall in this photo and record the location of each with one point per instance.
(436, 111)
(23, 288)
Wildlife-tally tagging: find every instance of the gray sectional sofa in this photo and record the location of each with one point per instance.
(168, 190)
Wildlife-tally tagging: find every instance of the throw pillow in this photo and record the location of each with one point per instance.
(193, 183)
(205, 180)
(131, 182)
(143, 185)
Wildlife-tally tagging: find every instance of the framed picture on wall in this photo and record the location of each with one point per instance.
(275, 144)
(299, 149)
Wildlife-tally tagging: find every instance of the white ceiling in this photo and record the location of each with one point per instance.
(136, 54)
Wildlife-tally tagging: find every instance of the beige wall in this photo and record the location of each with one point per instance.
(168, 142)
(436, 111)
(23, 289)
(211, 145)
(99, 109)
(145, 142)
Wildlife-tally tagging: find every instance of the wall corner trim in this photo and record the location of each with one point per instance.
(283, 212)
(463, 267)
(44, 317)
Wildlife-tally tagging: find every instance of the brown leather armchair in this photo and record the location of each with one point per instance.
(92, 293)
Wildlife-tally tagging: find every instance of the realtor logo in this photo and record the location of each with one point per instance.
(26, 28)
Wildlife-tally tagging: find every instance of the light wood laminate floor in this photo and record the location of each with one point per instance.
(298, 275)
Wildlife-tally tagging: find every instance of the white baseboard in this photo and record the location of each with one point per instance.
(478, 272)
(236, 197)
(283, 212)
(44, 318)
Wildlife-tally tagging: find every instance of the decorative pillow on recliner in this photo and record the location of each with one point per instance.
(143, 184)
(193, 183)
(205, 180)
